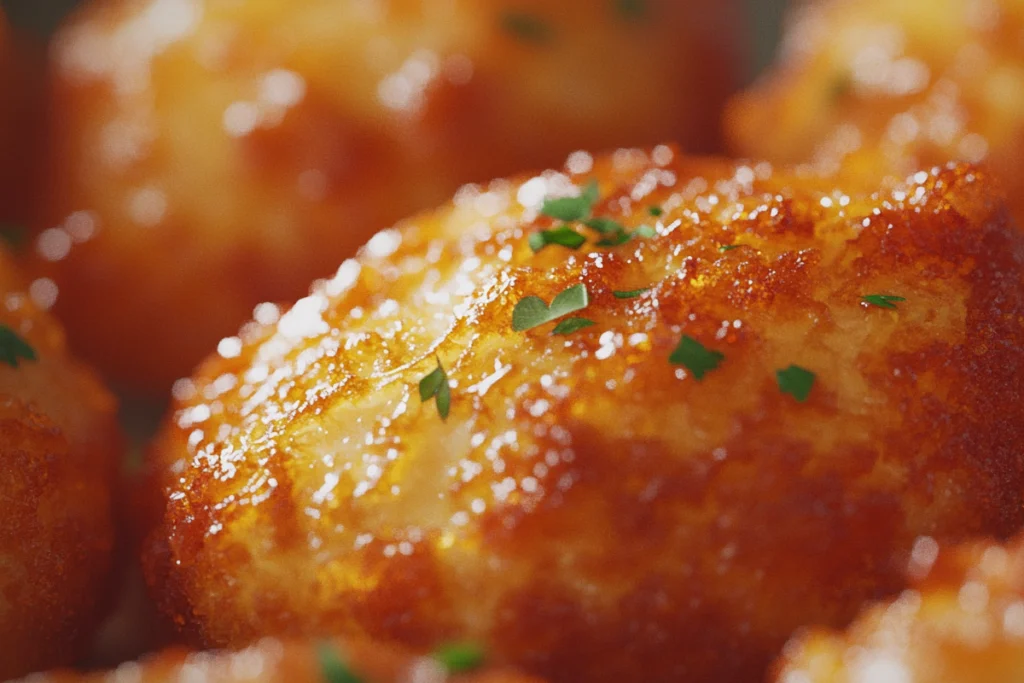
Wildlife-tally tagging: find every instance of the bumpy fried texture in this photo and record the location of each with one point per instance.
(589, 507)
(962, 623)
(273, 661)
(227, 153)
(891, 87)
(58, 451)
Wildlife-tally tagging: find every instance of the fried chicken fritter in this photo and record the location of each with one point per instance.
(59, 447)
(891, 87)
(273, 661)
(962, 623)
(660, 487)
(213, 154)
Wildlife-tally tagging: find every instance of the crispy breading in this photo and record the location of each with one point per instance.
(590, 509)
(891, 87)
(274, 661)
(214, 154)
(963, 622)
(59, 447)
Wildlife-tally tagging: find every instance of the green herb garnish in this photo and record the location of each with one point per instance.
(616, 239)
(882, 300)
(526, 27)
(531, 311)
(796, 381)
(570, 325)
(630, 293)
(655, 211)
(562, 236)
(14, 235)
(693, 355)
(572, 208)
(605, 226)
(13, 347)
(631, 9)
(435, 385)
(729, 247)
(645, 231)
(459, 657)
(332, 668)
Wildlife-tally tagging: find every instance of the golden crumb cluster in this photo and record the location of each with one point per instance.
(742, 441)
(213, 154)
(963, 622)
(890, 87)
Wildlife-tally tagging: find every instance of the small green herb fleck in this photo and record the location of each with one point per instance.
(796, 381)
(605, 226)
(655, 211)
(631, 9)
(572, 208)
(692, 355)
(616, 239)
(14, 235)
(882, 300)
(570, 325)
(630, 293)
(526, 27)
(332, 668)
(563, 236)
(460, 657)
(531, 311)
(435, 385)
(729, 247)
(13, 347)
(645, 231)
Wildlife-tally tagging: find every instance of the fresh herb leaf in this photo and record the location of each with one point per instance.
(572, 208)
(460, 657)
(605, 226)
(570, 325)
(332, 668)
(531, 311)
(526, 27)
(882, 300)
(655, 211)
(13, 347)
(616, 239)
(645, 231)
(796, 381)
(14, 235)
(693, 355)
(630, 293)
(631, 9)
(563, 236)
(435, 385)
(729, 247)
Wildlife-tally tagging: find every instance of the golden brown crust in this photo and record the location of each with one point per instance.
(228, 153)
(963, 622)
(588, 505)
(274, 661)
(891, 87)
(59, 447)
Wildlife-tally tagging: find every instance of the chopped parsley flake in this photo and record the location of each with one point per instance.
(729, 247)
(459, 657)
(435, 385)
(630, 293)
(531, 311)
(562, 236)
(692, 355)
(526, 27)
(572, 208)
(616, 239)
(655, 211)
(13, 347)
(570, 325)
(645, 231)
(605, 226)
(882, 300)
(796, 381)
(332, 668)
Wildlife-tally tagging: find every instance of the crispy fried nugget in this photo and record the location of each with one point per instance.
(274, 661)
(891, 87)
(962, 623)
(661, 489)
(212, 154)
(59, 447)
